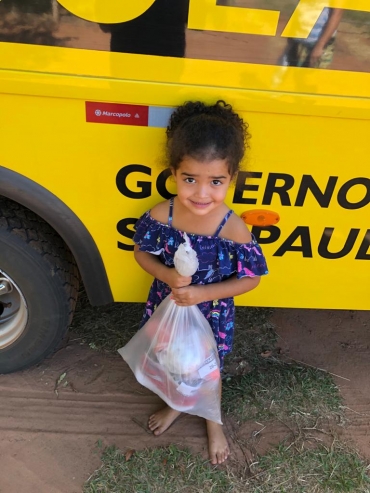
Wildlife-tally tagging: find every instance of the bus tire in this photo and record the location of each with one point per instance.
(39, 283)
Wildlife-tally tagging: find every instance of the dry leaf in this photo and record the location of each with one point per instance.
(129, 454)
(266, 354)
(164, 462)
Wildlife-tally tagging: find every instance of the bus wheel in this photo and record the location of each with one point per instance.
(38, 288)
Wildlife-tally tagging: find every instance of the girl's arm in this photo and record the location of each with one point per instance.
(195, 294)
(153, 266)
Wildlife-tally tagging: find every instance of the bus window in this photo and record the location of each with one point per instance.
(337, 40)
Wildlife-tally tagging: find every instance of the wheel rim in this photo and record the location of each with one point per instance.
(13, 311)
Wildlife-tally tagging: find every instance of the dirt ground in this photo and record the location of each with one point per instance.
(50, 431)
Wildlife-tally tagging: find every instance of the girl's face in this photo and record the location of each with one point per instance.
(202, 186)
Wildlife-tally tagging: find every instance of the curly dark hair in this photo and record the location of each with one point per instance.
(206, 132)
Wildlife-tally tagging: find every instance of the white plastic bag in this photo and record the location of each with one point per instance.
(185, 258)
(175, 353)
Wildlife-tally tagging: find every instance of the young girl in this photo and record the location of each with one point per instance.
(205, 145)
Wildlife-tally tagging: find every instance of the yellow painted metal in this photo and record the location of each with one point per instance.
(107, 11)
(102, 69)
(303, 122)
(205, 14)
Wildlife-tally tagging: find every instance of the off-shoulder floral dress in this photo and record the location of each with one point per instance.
(219, 259)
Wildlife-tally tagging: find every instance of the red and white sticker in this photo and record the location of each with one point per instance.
(127, 114)
(120, 114)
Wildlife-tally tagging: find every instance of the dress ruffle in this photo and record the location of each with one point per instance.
(244, 260)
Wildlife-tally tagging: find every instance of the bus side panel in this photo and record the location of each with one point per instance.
(304, 168)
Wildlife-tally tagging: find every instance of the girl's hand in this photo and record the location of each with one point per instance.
(175, 280)
(188, 296)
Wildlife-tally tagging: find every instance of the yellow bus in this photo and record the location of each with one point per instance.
(86, 90)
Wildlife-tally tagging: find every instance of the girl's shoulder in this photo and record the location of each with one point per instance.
(236, 230)
(160, 212)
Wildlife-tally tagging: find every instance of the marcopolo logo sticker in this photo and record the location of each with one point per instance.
(119, 114)
(127, 114)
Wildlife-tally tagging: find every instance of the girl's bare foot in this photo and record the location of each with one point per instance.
(162, 419)
(218, 447)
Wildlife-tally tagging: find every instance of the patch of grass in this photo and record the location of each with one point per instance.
(275, 389)
(161, 470)
(335, 469)
(108, 327)
(272, 388)
(254, 334)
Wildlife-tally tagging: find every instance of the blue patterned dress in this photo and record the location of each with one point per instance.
(218, 258)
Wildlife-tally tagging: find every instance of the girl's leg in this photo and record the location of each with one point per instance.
(218, 448)
(162, 419)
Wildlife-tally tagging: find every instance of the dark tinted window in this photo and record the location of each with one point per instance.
(162, 30)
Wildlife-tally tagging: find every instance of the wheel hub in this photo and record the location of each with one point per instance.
(13, 311)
